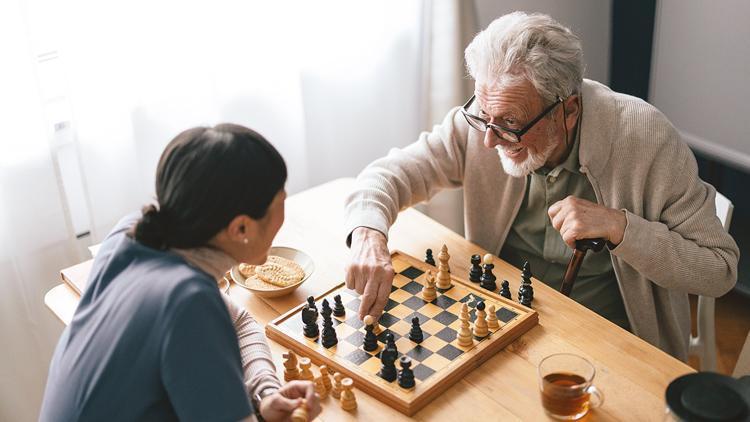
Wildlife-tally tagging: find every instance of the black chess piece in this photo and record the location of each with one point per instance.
(406, 375)
(415, 334)
(329, 333)
(487, 281)
(338, 307)
(524, 298)
(475, 273)
(428, 257)
(505, 290)
(311, 303)
(371, 340)
(310, 319)
(388, 360)
(526, 279)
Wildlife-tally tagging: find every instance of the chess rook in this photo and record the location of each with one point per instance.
(305, 373)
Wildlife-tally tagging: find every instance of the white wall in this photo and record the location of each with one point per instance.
(701, 65)
(591, 20)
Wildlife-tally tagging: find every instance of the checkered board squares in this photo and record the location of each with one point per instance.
(436, 361)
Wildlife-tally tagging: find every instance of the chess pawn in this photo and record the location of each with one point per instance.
(338, 307)
(336, 387)
(505, 290)
(406, 375)
(492, 322)
(300, 414)
(320, 387)
(475, 273)
(326, 377)
(480, 324)
(487, 280)
(415, 334)
(464, 333)
(370, 343)
(428, 292)
(348, 401)
(428, 257)
(444, 281)
(290, 366)
(305, 373)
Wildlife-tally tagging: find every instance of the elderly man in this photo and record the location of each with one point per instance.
(546, 157)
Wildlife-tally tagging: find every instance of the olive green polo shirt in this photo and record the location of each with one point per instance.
(533, 238)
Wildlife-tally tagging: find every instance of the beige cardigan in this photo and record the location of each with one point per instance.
(673, 245)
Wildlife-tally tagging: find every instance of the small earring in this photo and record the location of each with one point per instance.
(244, 241)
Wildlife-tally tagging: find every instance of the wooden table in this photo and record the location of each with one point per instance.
(632, 373)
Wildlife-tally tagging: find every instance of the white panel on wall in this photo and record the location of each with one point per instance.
(591, 20)
(699, 77)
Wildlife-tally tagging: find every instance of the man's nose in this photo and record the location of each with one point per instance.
(490, 139)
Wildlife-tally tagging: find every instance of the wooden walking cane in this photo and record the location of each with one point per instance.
(582, 246)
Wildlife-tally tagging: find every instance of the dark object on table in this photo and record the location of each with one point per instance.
(582, 246)
(708, 396)
(310, 319)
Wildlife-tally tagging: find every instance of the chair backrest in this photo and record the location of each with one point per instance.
(724, 210)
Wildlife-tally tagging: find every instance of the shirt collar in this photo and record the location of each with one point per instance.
(571, 163)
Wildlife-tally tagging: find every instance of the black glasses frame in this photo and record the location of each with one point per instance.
(510, 135)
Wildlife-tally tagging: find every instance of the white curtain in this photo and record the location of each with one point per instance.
(91, 92)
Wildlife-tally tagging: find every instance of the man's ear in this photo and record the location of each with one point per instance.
(572, 109)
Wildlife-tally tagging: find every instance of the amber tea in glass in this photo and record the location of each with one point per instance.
(565, 383)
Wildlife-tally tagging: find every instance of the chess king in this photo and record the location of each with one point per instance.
(546, 157)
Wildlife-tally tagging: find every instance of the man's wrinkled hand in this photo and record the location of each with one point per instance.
(370, 271)
(577, 219)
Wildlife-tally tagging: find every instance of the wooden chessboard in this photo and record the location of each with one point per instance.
(438, 362)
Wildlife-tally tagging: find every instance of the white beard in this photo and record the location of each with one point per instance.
(531, 163)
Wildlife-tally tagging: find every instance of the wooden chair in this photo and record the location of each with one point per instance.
(703, 345)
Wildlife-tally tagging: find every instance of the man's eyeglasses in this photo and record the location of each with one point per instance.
(510, 135)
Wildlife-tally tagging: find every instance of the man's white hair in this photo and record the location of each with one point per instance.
(530, 46)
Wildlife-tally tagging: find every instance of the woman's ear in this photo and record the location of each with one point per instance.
(242, 228)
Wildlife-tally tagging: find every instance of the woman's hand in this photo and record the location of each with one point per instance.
(280, 405)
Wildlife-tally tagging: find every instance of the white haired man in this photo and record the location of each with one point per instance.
(576, 160)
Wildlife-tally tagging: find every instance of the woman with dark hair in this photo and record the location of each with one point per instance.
(153, 338)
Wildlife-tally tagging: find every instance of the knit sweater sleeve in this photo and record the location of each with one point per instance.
(409, 175)
(257, 363)
(687, 249)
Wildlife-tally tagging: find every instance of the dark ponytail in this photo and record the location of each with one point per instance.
(205, 178)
